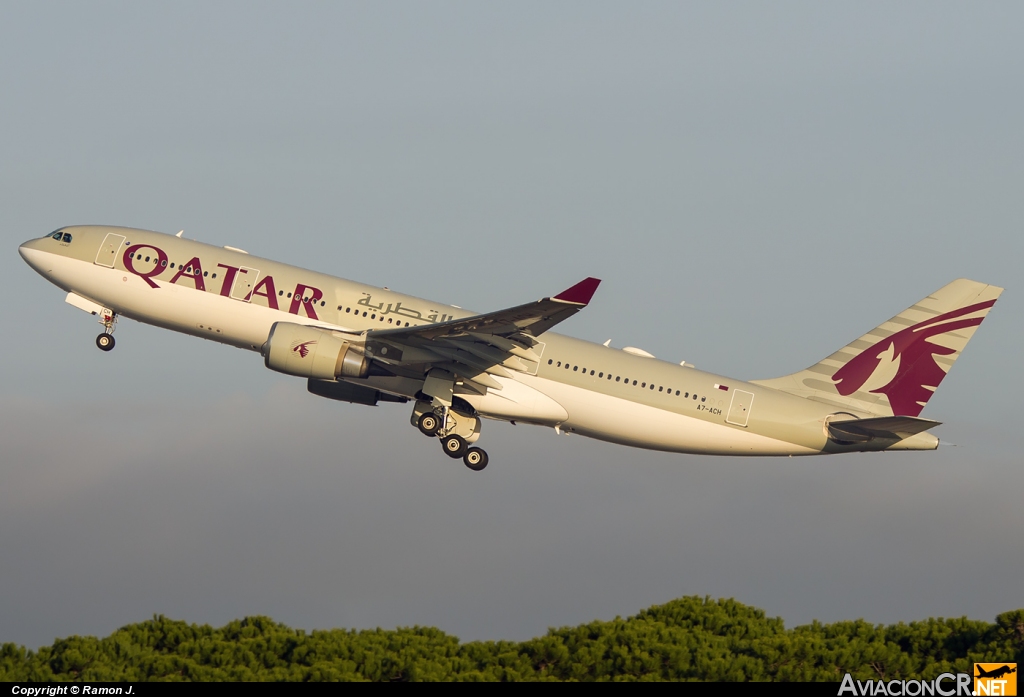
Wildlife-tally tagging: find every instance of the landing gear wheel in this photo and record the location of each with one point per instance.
(105, 341)
(429, 424)
(476, 459)
(454, 446)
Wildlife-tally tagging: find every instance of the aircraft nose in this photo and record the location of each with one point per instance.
(32, 254)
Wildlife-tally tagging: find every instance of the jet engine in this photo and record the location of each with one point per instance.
(308, 352)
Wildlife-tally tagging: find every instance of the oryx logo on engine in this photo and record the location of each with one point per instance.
(302, 348)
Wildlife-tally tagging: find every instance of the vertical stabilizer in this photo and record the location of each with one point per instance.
(894, 369)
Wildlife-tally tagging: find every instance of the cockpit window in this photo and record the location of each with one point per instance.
(67, 237)
(56, 235)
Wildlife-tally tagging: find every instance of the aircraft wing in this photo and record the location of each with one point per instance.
(473, 348)
(531, 319)
(885, 427)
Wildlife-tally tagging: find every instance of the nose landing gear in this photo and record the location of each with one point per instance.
(456, 430)
(105, 341)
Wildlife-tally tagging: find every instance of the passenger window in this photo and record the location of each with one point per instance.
(550, 361)
(364, 314)
(147, 258)
(348, 310)
(591, 372)
(67, 238)
(407, 324)
(652, 385)
(616, 378)
(164, 263)
(677, 393)
(322, 303)
(695, 397)
(643, 384)
(289, 295)
(634, 383)
(575, 368)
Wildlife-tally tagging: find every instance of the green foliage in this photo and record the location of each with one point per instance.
(690, 638)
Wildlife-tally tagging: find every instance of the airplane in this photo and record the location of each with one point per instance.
(995, 672)
(367, 345)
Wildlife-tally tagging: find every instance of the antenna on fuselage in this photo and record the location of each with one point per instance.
(607, 343)
(179, 233)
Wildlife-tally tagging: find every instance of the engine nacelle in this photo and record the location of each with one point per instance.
(308, 352)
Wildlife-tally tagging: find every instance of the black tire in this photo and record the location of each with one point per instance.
(454, 446)
(105, 341)
(429, 424)
(476, 459)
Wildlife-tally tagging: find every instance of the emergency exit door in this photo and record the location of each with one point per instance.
(739, 408)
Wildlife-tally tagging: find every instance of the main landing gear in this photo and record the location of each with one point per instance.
(456, 431)
(105, 341)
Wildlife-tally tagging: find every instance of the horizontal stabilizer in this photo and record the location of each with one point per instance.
(884, 427)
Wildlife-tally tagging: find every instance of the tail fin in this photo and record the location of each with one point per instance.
(894, 369)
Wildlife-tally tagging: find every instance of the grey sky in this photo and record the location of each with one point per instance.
(756, 184)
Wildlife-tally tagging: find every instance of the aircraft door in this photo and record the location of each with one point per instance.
(739, 408)
(245, 281)
(107, 254)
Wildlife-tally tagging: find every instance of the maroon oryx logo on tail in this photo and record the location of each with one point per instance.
(303, 348)
(911, 357)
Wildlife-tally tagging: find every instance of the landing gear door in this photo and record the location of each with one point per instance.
(108, 250)
(245, 281)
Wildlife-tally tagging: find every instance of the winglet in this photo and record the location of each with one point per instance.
(581, 293)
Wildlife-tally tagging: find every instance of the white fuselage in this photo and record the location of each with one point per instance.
(190, 287)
